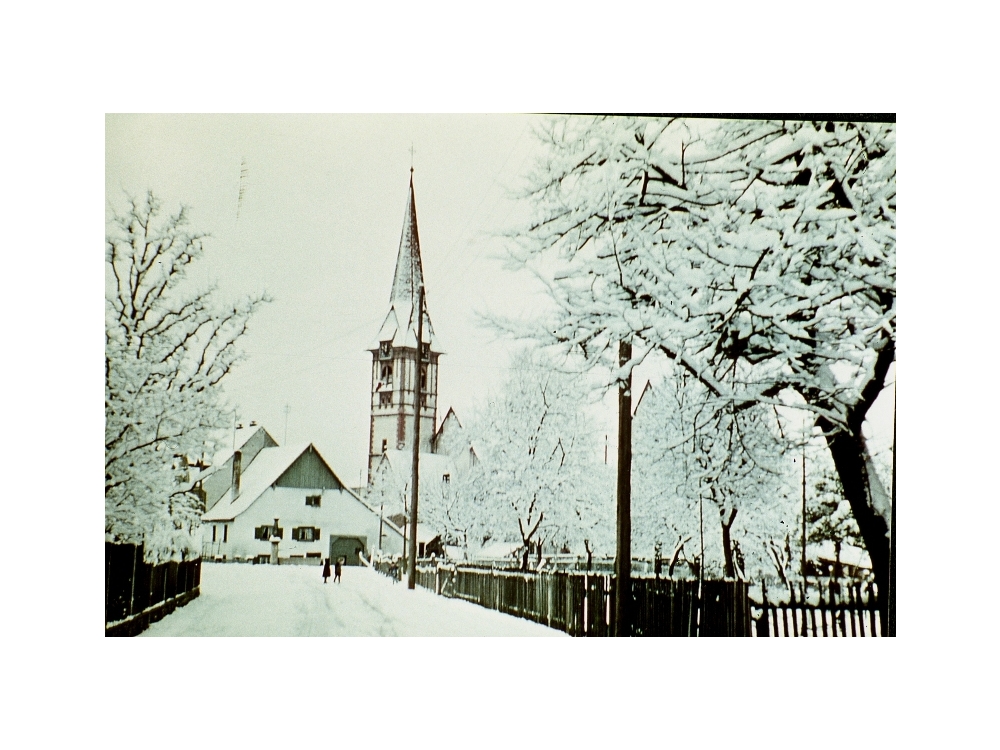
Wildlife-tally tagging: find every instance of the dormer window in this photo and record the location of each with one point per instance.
(385, 350)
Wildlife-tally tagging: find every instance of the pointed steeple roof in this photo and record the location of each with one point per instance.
(400, 325)
(409, 272)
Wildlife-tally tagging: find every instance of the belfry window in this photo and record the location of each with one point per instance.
(385, 350)
(386, 375)
(423, 377)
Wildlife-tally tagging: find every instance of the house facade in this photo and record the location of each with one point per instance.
(292, 495)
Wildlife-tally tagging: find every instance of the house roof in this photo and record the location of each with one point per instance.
(432, 466)
(849, 554)
(242, 435)
(263, 471)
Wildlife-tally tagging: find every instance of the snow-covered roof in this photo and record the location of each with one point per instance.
(243, 435)
(265, 470)
(849, 554)
(426, 533)
(496, 551)
(433, 466)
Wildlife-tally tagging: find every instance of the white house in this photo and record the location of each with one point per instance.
(293, 494)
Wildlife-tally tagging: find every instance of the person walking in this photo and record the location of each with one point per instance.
(326, 569)
(336, 569)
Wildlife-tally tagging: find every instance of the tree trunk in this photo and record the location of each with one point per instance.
(848, 453)
(850, 456)
(727, 543)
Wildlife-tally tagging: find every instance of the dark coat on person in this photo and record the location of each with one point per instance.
(326, 569)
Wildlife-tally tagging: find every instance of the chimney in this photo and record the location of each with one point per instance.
(237, 470)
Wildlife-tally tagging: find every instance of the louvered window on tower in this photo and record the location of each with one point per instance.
(386, 374)
(385, 350)
(385, 398)
(425, 352)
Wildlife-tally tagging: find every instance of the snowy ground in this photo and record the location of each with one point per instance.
(290, 600)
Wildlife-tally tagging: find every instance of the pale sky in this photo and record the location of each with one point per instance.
(319, 228)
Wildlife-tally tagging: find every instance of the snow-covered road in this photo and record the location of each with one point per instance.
(290, 600)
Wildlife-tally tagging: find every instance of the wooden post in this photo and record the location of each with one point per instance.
(623, 547)
(412, 578)
(803, 514)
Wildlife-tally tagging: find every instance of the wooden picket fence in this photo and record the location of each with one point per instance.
(830, 610)
(582, 603)
(137, 593)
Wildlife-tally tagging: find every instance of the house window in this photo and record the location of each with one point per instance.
(305, 534)
(266, 532)
(385, 398)
(313, 501)
(225, 533)
(214, 528)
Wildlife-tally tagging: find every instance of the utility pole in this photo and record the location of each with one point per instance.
(803, 513)
(623, 558)
(411, 581)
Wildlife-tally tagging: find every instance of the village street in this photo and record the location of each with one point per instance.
(290, 600)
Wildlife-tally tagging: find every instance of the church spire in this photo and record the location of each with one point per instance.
(409, 273)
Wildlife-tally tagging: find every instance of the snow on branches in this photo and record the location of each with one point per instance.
(166, 350)
(537, 477)
(714, 473)
(759, 256)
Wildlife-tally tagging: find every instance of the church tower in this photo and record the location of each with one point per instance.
(395, 365)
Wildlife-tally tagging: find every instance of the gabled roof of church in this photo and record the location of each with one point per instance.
(400, 326)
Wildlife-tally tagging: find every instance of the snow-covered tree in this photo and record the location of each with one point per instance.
(166, 350)
(759, 256)
(724, 478)
(539, 456)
